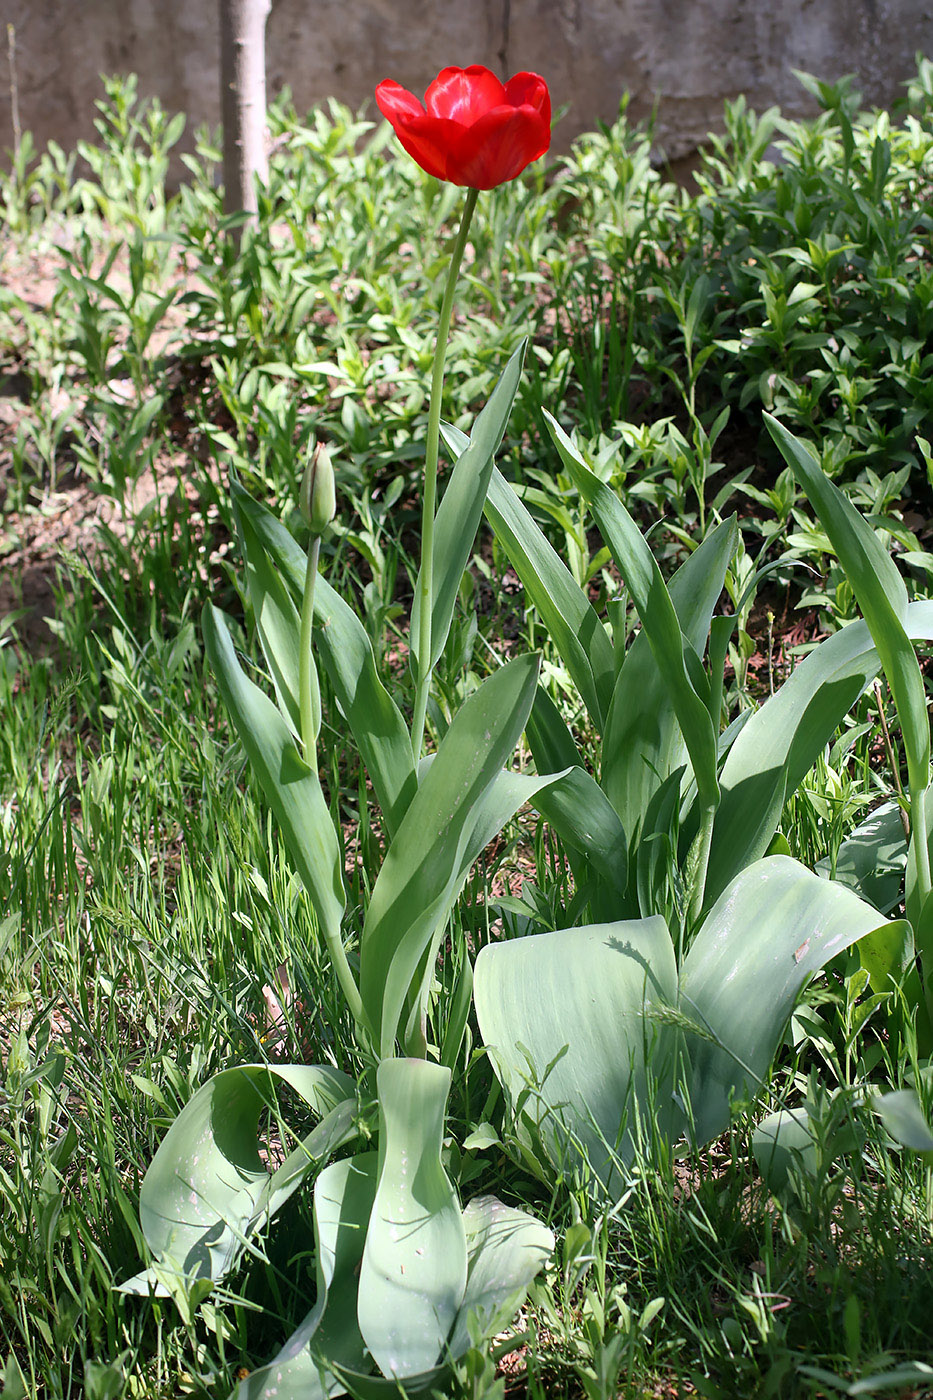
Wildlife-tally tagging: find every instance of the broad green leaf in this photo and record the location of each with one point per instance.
(888, 956)
(872, 858)
(461, 508)
(879, 590)
(346, 653)
(656, 849)
(278, 623)
(779, 744)
(565, 1017)
(642, 743)
(585, 820)
(774, 927)
(783, 1146)
(505, 1249)
(902, 1115)
(424, 867)
(571, 621)
(551, 742)
(653, 604)
(498, 804)
(207, 1189)
(289, 786)
(414, 1268)
(591, 832)
(343, 1201)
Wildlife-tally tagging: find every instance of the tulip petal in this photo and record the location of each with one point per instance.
(426, 139)
(464, 94)
(498, 147)
(529, 90)
(396, 103)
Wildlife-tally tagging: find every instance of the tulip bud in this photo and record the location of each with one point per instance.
(318, 496)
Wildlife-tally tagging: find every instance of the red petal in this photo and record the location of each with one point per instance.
(529, 90)
(498, 147)
(426, 139)
(396, 103)
(464, 94)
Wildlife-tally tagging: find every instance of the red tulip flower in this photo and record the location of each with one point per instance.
(472, 129)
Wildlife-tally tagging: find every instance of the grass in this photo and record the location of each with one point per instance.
(146, 901)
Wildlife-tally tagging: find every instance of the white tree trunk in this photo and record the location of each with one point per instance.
(243, 100)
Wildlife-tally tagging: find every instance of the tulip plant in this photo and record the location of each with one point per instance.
(694, 929)
(407, 1280)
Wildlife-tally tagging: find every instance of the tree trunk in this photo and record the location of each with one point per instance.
(243, 100)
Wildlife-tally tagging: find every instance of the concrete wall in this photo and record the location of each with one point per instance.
(691, 53)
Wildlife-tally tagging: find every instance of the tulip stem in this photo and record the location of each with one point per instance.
(429, 496)
(305, 672)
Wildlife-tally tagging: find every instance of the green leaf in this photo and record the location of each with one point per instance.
(872, 858)
(289, 786)
(506, 1248)
(879, 589)
(414, 1268)
(346, 653)
(278, 623)
(585, 820)
(572, 623)
(784, 1147)
(903, 1117)
(551, 742)
(887, 954)
(498, 804)
(565, 1019)
(778, 745)
(426, 863)
(642, 743)
(774, 927)
(653, 604)
(343, 1201)
(207, 1189)
(461, 509)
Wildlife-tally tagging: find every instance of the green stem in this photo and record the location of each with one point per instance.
(918, 825)
(429, 494)
(705, 841)
(305, 674)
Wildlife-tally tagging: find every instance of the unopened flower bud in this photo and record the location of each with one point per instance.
(318, 496)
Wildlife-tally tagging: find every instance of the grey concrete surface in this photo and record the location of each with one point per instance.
(690, 55)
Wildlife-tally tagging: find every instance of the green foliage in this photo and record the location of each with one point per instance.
(160, 959)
